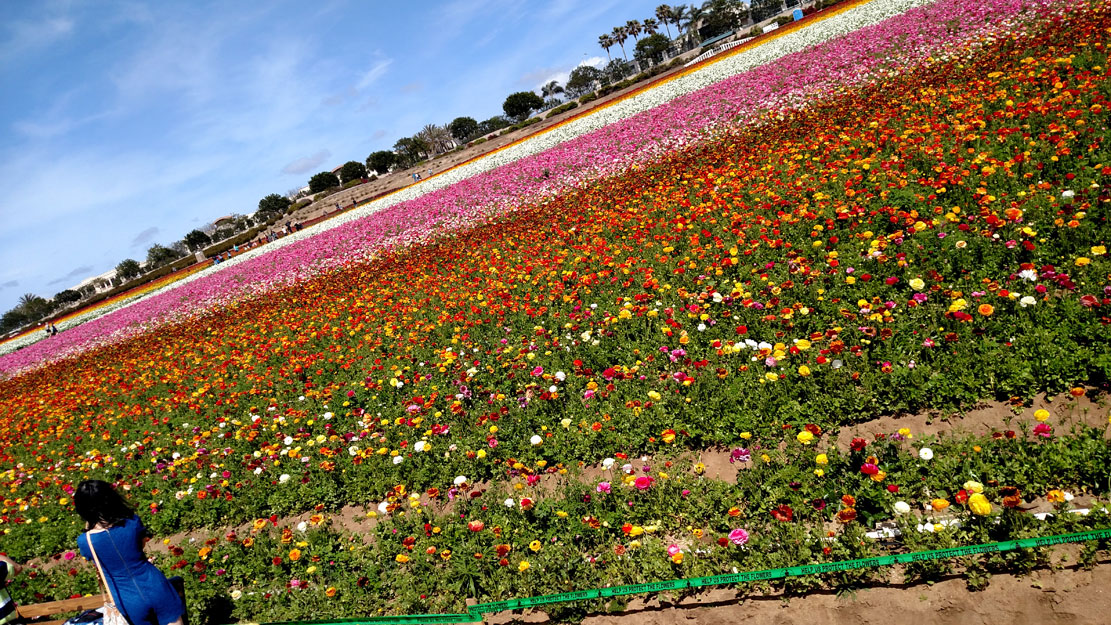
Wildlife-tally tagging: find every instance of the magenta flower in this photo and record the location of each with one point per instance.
(738, 536)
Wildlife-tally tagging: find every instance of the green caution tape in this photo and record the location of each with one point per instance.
(475, 612)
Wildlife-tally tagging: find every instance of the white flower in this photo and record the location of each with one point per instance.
(1028, 274)
(1067, 196)
(328, 415)
(419, 446)
(236, 594)
(565, 422)
(509, 503)
(837, 364)
(535, 440)
(353, 450)
(553, 388)
(1027, 300)
(287, 441)
(926, 453)
(561, 376)
(383, 508)
(460, 480)
(607, 463)
(398, 459)
(302, 526)
(902, 507)
(283, 478)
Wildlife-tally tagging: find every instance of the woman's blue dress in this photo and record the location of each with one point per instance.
(140, 590)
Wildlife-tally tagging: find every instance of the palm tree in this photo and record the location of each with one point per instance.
(679, 15)
(634, 28)
(606, 42)
(551, 89)
(663, 14)
(694, 17)
(619, 36)
(650, 26)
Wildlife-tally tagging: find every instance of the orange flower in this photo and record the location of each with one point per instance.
(986, 309)
(294, 555)
(331, 591)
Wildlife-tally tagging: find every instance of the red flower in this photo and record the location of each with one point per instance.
(858, 444)
(783, 513)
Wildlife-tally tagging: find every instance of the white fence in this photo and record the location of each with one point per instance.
(718, 50)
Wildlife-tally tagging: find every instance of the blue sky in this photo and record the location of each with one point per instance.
(125, 124)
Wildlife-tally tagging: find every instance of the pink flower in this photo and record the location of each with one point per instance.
(603, 487)
(673, 549)
(738, 536)
(1044, 430)
(869, 469)
(69, 555)
(643, 482)
(538, 371)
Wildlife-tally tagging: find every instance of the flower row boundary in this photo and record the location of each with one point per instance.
(475, 613)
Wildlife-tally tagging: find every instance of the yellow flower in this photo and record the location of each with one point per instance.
(905, 433)
(310, 570)
(697, 532)
(699, 468)
(1082, 261)
(561, 514)
(654, 396)
(771, 377)
(402, 558)
(295, 555)
(802, 344)
(1041, 414)
(879, 476)
(821, 459)
(1099, 250)
(636, 531)
(819, 472)
(917, 284)
(523, 566)
(805, 437)
(677, 557)
(973, 487)
(534, 545)
(746, 435)
(804, 370)
(979, 505)
(1055, 496)
(939, 504)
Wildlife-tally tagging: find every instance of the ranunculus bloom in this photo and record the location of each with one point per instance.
(476, 526)
(939, 504)
(738, 536)
(869, 469)
(643, 482)
(926, 453)
(783, 513)
(979, 505)
(1044, 430)
(804, 437)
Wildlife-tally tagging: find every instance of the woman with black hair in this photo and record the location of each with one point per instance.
(140, 591)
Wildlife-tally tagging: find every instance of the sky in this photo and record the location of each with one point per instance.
(124, 124)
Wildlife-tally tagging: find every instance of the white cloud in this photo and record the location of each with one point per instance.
(375, 72)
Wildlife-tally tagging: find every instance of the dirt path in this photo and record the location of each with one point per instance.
(1071, 596)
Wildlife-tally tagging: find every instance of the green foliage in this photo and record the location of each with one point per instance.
(273, 204)
(352, 171)
(563, 108)
(462, 128)
(582, 79)
(196, 240)
(650, 50)
(381, 161)
(128, 269)
(518, 105)
(323, 180)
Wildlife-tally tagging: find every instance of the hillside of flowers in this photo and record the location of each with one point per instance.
(738, 89)
(527, 401)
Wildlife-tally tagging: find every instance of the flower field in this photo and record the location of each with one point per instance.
(636, 368)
